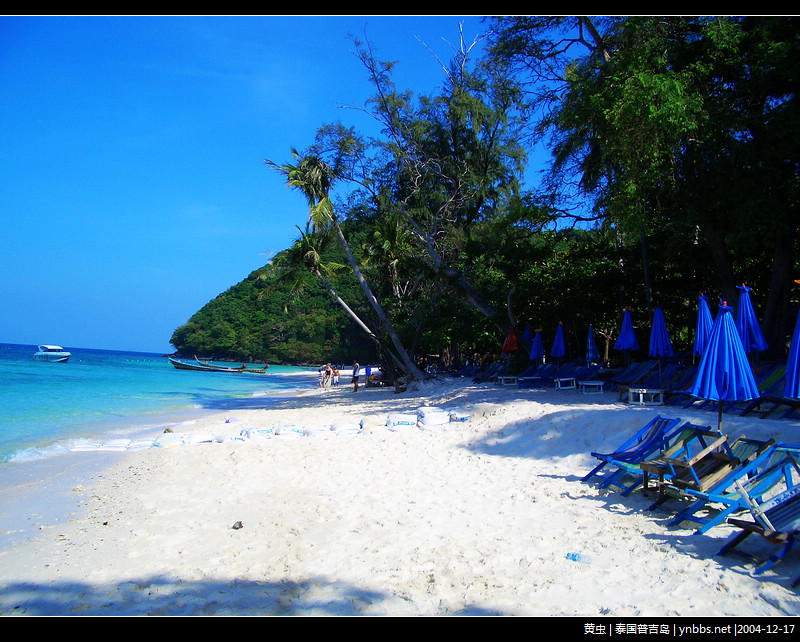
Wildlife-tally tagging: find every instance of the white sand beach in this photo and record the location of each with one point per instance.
(471, 517)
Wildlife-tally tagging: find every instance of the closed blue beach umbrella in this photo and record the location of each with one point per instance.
(627, 337)
(537, 350)
(527, 336)
(724, 374)
(592, 355)
(660, 345)
(793, 365)
(703, 326)
(559, 348)
(626, 341)
(747, 323)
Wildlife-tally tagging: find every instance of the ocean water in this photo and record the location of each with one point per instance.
(45, 408)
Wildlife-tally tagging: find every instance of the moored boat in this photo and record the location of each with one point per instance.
(52, 353)
(204, 366)
(199, 365)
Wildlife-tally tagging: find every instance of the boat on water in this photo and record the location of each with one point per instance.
(205, 366)
(53, 353)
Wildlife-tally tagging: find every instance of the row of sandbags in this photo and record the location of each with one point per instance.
(426, 418)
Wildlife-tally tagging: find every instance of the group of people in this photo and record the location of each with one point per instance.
(329, 376)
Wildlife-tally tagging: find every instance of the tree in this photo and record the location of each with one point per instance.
(446, 163)
(682, 123)
(314, 178)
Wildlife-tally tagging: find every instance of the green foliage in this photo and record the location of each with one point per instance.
(262, 318)
(683, 135)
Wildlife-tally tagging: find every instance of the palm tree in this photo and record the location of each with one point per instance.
(314, 178)
(304, 259)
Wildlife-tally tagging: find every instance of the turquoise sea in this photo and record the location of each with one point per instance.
(45, 408)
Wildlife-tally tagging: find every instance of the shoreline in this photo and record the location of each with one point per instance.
(472, 518)
(38, 485)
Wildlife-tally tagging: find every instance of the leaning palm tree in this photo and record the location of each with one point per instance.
(314, 178)
(303, 259)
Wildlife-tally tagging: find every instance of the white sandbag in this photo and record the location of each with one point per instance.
(401, 420)
(431, 425)
(168, 440)
(424, 411)
(317, 431)
(432, 416)
(140, 444)
(290, 431)
(258, 433)
(115, 445)
(459, 415)
(344, 427)
(404, 427)
(373, 420)
(192, 438)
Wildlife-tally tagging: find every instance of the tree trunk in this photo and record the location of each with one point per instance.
(382, 350)
(456, 280)
(407, 364)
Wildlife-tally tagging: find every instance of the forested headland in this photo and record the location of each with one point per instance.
(672, 170)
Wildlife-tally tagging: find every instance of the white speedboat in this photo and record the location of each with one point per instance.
(51, 353)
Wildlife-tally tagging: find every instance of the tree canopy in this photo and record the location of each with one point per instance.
(672, 170)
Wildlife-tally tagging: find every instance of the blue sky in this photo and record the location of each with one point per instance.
(133, 188)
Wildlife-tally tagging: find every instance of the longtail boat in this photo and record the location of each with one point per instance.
(205, 366)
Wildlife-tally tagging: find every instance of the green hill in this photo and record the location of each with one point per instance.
(260, 319)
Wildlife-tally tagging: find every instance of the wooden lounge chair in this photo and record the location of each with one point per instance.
(647, 442)
(777, 520)
(702, 459)
(711, 476)
(777, 467)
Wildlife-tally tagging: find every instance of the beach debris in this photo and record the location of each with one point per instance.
(237, 526)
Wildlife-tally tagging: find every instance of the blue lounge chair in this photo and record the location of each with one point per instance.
(629, 475)
(771, 383)
(646, 443)
(644, 440)
(653, 379)
(678, 392)
(633, 373)
(537, 376)
(777, 520)
(779, 464)
(791, 403)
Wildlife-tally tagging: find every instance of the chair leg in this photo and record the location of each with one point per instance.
(594, 471)
(733, 542)
(772, 561)
(687, 512)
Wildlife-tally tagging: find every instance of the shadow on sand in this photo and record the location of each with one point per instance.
(166, 597)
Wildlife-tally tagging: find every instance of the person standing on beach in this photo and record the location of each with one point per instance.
(335, 376)
(355, 375)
